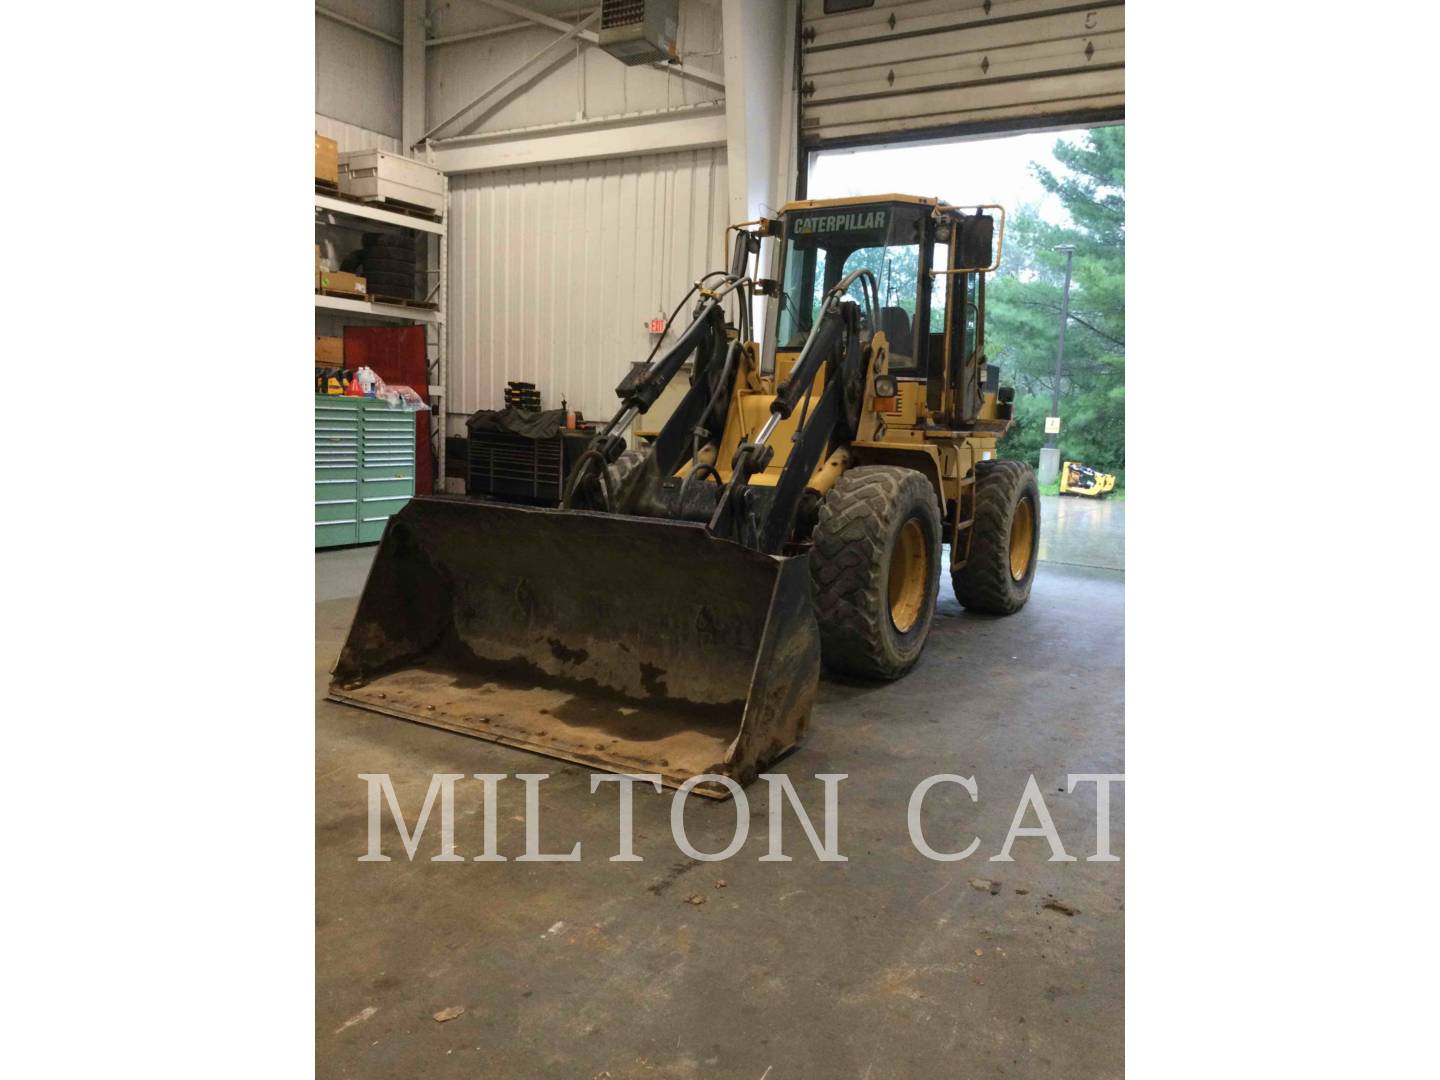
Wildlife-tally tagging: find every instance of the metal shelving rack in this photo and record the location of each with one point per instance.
(332, 211)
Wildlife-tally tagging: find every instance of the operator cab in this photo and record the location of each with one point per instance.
(906, 242)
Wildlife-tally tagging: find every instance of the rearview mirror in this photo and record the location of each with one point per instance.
(977, 242)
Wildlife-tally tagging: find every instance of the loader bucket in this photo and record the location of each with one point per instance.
(628, 644)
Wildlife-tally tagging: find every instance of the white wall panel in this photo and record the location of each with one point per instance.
(554, 270)
(351, 137)
(382, 15)
(357, 77)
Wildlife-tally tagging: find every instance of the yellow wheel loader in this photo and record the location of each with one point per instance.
(673, 615)
(1077, 479)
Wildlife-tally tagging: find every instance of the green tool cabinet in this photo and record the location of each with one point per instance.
(364, 468)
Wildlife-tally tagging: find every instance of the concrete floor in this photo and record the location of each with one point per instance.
(1080, 531)
(888, 965)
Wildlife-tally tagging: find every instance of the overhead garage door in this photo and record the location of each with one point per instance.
(906, 69)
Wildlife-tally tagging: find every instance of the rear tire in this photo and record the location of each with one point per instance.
(391, 284)
(397, 241)
(377, 264)
(875, 565)
(1004, 542)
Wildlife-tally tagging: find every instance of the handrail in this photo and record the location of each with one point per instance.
(999, 246)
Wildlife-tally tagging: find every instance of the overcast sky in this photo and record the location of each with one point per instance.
(975, 171)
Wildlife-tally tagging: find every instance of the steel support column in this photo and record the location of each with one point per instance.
(758, 71)
(755, 32)
(412, 74)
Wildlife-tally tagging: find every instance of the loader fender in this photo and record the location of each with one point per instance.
(923, 458)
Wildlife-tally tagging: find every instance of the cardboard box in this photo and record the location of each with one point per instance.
(340, 281)
(329, 352)
(327, 160)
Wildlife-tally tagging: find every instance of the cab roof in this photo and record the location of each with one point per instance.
(861, 200)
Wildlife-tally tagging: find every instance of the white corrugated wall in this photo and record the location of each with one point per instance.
(357, 75)
(354, 137)
(554, 270)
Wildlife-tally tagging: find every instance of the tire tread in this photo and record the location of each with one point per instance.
(849, 572)
(984, 583)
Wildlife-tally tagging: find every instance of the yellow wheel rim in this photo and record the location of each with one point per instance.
(1022, 539)
(909, 575)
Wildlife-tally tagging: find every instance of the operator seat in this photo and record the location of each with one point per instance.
(895, 325)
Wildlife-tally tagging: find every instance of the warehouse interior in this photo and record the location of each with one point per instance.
(508, 209)
(691, 671)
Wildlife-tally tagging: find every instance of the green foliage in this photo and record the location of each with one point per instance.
(1023, 308)
(897, 270)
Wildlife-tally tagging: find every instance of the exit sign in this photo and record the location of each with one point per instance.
(656, 326)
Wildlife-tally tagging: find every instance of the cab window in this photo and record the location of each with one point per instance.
(824, 245)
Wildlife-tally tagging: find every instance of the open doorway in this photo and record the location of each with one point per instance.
(1065, 195)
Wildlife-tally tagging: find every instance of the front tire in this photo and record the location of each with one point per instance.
(1004, 541)
(875, 565)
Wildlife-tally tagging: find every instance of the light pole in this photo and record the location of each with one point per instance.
(1050, 452)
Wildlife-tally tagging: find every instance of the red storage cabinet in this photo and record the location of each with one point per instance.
(397, 355)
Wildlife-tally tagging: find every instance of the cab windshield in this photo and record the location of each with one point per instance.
(822, 246)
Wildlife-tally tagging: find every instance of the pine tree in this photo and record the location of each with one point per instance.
(1023, 308)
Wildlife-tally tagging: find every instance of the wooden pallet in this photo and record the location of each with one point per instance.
(387, 203)
(382, 203)
(377, 298)
(424, 305)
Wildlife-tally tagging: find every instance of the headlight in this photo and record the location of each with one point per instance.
(885, 386)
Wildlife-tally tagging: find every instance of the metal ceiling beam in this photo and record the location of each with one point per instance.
(472, 35)
(584, 141)
(704, 78)
(536, 17)
(502, 28)
(571, 32)
(345, 20)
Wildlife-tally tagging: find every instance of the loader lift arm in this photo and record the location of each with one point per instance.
(763, 519)
(701, 415)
